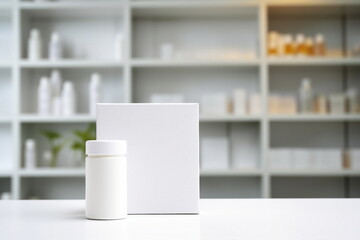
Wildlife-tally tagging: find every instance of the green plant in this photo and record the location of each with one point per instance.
(82, 136)
(55, 146)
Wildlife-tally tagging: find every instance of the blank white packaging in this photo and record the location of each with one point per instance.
(166, 51)
(355, 158)
(240, 101)
(214, 104)
(255, 104)
(214, 153)
(303, 158)
(328, 158)
(281, 158)
(163, 154)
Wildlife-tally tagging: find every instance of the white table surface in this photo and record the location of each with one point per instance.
(219, 219)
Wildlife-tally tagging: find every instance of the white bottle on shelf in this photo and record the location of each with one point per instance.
(56, 106)
(306, 97)
(55, 47)
(119, 45)
(68, 99)
(30, 153)
(167, 51)
(34, 45)
(44, 96)
(94, 92)
(56, 82)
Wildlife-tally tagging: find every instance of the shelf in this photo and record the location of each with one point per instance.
(72, 9)
(52, 172)
(5, 6)
(231, 173)
(191, 4)
(313, 118)
(313, 61)
(71, 64)
(5, 173)
(229, 118)
(33, 118)
(314, 173)
(195, 8)
(302, 3)
(44, 5)
(5, 119)
(192, 63)
(5, 65)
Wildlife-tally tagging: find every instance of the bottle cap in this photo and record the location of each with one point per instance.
(34, 32)
(300, 38)
(44, 81)
(95, 77)
(30, 143)
(106, 147)
(68, 86)
(55, 36)
(319, 38)
(306, 83)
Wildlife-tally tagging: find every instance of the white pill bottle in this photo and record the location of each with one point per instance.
(106, 180)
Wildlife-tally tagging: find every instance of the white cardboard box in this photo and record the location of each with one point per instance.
(240, 101)
(355, 158)
(280, 158)
(163, 154)
(214, 153)
(328, 158)
(214, 104)
(303, 158)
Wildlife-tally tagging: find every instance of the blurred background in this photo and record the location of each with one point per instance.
(277, 81)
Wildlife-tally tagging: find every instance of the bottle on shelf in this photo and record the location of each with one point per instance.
(44, 96)
(289, 48)
(166, 51)
(321, 105)
(34, 45)
(30, 153)
(353, 101)
(94, 92)
(56, 84)
(337, 103)
(273, 43)
(68, 99)
(300, 45)
(310, 51)
(320, 46)
(55, 47)
(306, 97)
(119, 45)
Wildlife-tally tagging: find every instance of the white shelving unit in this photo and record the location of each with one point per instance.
(88, 28)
